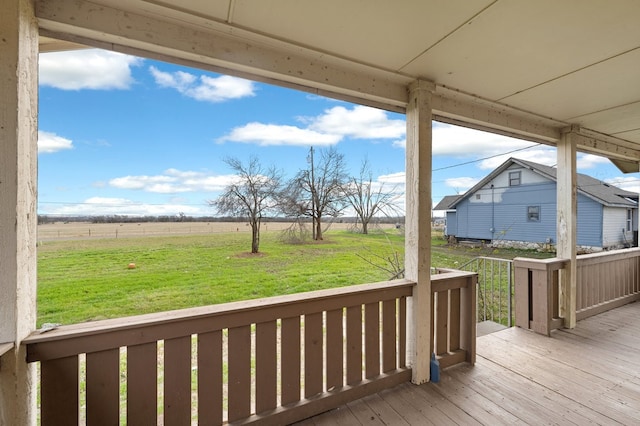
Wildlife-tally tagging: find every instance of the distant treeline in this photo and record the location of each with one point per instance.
(44, 219)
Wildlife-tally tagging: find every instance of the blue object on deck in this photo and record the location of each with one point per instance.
(435, 369)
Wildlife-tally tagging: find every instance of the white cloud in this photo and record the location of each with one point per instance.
(272, 134)
(87, 69)
(173, 181)
(361, 122)
(400, 143)
(628, 183)
(393, 178)
(326, 129)
(463, 142)
(204, 88)
(101, 206)
(461, 184)
(50, 142)
(589, 161)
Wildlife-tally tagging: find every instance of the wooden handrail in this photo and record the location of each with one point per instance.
(126, 331)
(5, 347)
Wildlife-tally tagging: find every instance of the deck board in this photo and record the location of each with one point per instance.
(588, 375)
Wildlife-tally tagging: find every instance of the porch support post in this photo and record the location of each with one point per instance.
(18, 214)
(418, 224)
(567, 225)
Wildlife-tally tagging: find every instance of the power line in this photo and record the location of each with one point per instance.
(485, 158)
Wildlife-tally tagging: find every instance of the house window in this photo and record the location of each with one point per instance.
(629, 220)
(477, 196)
(533, 213)
(514, 178)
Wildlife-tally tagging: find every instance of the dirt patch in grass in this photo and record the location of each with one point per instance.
(249, 255)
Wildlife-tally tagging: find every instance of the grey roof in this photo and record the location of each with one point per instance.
(595, 189)
(447, 202)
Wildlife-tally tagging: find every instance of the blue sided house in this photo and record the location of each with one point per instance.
(515, 206)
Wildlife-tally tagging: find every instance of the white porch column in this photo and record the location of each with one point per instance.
(567, 225)
(18, 215)
(418, 225)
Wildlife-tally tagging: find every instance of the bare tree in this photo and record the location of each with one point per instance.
(369, 198)
(316, 192)
(253, 193)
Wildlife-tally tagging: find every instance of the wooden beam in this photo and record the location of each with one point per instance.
(600, 144)
(418, 224)
(472, 111)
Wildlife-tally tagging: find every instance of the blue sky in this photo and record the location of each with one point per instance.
(132, 136)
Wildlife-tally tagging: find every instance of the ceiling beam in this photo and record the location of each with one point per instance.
(468, 110)
(605, 145)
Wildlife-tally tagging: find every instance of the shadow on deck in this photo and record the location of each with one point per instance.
(588, 375)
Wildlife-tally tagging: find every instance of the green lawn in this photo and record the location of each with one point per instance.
(84, 280)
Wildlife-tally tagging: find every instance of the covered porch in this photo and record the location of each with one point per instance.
(585, 375)
(489, 65)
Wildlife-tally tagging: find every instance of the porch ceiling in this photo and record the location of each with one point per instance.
(515, 67)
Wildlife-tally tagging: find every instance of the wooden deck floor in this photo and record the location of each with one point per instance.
(589, 375)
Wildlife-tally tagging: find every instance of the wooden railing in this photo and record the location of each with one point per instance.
(604, 281)
(312, 352)
(453, 304)
(275, 360)
(537, 293)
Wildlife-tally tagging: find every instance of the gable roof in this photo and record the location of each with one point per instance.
(447, 202)
(595, 189)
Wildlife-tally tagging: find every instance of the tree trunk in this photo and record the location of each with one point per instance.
(365, 227)
(255, 237)
(318, 229)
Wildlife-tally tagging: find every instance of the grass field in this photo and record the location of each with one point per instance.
(89, 279)
(177, 266)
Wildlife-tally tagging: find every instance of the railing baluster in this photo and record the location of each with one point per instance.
(290, 360)
(266, 366)
(142, 384)
(59, 391)
(335, 349)
(312, 354)
(484, 286)
(509, 294)
(372, 339)
(442, 322)
(103, 387)
(402, 332)
(239, 372)
(454, 319)
(177, 380)
(389, 335)
(354, 344)
(210, 377)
